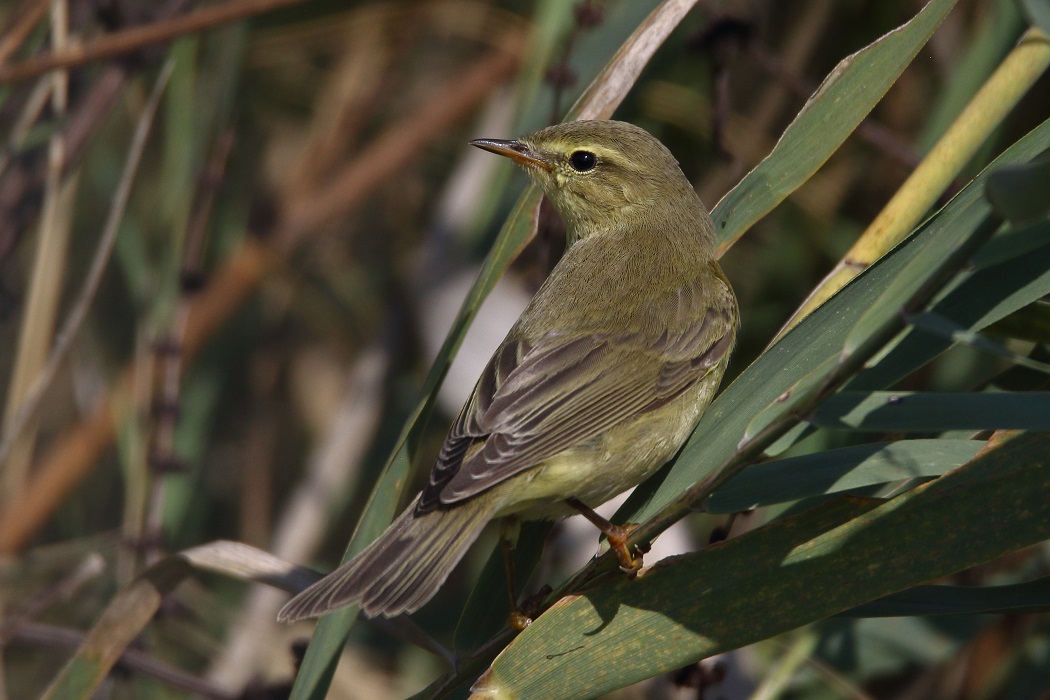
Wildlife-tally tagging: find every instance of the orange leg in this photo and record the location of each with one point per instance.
(630, 562)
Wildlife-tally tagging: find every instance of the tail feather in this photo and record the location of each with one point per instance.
(403, 569)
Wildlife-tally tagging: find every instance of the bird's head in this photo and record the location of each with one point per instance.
(599, 174)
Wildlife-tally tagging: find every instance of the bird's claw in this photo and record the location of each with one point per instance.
(522, 616)
(630, 562)
(519, 620)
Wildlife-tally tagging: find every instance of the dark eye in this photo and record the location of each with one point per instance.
(582, 161)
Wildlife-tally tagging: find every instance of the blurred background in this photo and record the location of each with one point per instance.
(306, 188)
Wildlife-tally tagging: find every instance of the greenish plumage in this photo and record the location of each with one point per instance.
(599, 382)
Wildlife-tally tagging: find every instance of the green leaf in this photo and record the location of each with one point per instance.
(997, 34)
(946, 328)
(1012, 244)
(933, 412)
(823, 334)
(830, 471)
(1031, 323)
(800, 392)
(978, 300)
(784, 575)
(1018, 193)
(841, 102)
(1031, 596)
(1038, 12)
(972, 216)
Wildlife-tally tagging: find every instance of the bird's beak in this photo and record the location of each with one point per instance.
(516, 151)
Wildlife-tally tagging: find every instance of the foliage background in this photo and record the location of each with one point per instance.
(312, 159)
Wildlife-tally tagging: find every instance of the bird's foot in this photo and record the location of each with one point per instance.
(518, 620)
(523, 615)
(630, 562)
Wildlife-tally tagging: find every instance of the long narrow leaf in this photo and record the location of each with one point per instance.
(845, 97)
(789, 573)
(935, 412)
(979, 299)
(821, 336)
(831, 471)
(1030, 596)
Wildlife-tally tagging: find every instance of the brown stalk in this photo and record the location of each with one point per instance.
(76, 316)
(46, 278)
(26, 18)
(744, 150)
(22, 181)
(138, 37)
(74, 454)
(168, 349)
(397, 146)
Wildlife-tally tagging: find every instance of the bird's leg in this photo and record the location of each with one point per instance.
(518, 620)
(617, 536)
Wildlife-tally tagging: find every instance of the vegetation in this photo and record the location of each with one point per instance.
(234, 239)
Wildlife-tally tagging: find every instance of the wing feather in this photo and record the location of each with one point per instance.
(540, 397)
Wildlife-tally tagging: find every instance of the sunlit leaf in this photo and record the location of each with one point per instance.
(791, 572)
(822, 336)
(845, 97)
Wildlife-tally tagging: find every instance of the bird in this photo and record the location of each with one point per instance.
(598, 383)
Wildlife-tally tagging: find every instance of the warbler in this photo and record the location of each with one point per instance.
(599, 382)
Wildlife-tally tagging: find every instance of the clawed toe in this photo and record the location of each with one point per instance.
(630, 562)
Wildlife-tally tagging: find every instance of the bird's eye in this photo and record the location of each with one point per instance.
(582, 161)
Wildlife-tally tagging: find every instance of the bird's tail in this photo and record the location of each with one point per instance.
(401, 570)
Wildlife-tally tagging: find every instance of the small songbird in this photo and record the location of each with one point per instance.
(599, 382)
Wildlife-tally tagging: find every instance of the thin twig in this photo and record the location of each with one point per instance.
(138, 37)
(22, 180)
(94, 278)
(22, 27)
(60, 637)
(170, 358)
(23, 126)
(89, 568)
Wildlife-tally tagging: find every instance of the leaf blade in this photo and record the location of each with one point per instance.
(793, 571)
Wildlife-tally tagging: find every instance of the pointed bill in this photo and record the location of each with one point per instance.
(515, 150)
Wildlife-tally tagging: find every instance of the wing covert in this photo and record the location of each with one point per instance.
(537, 399)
